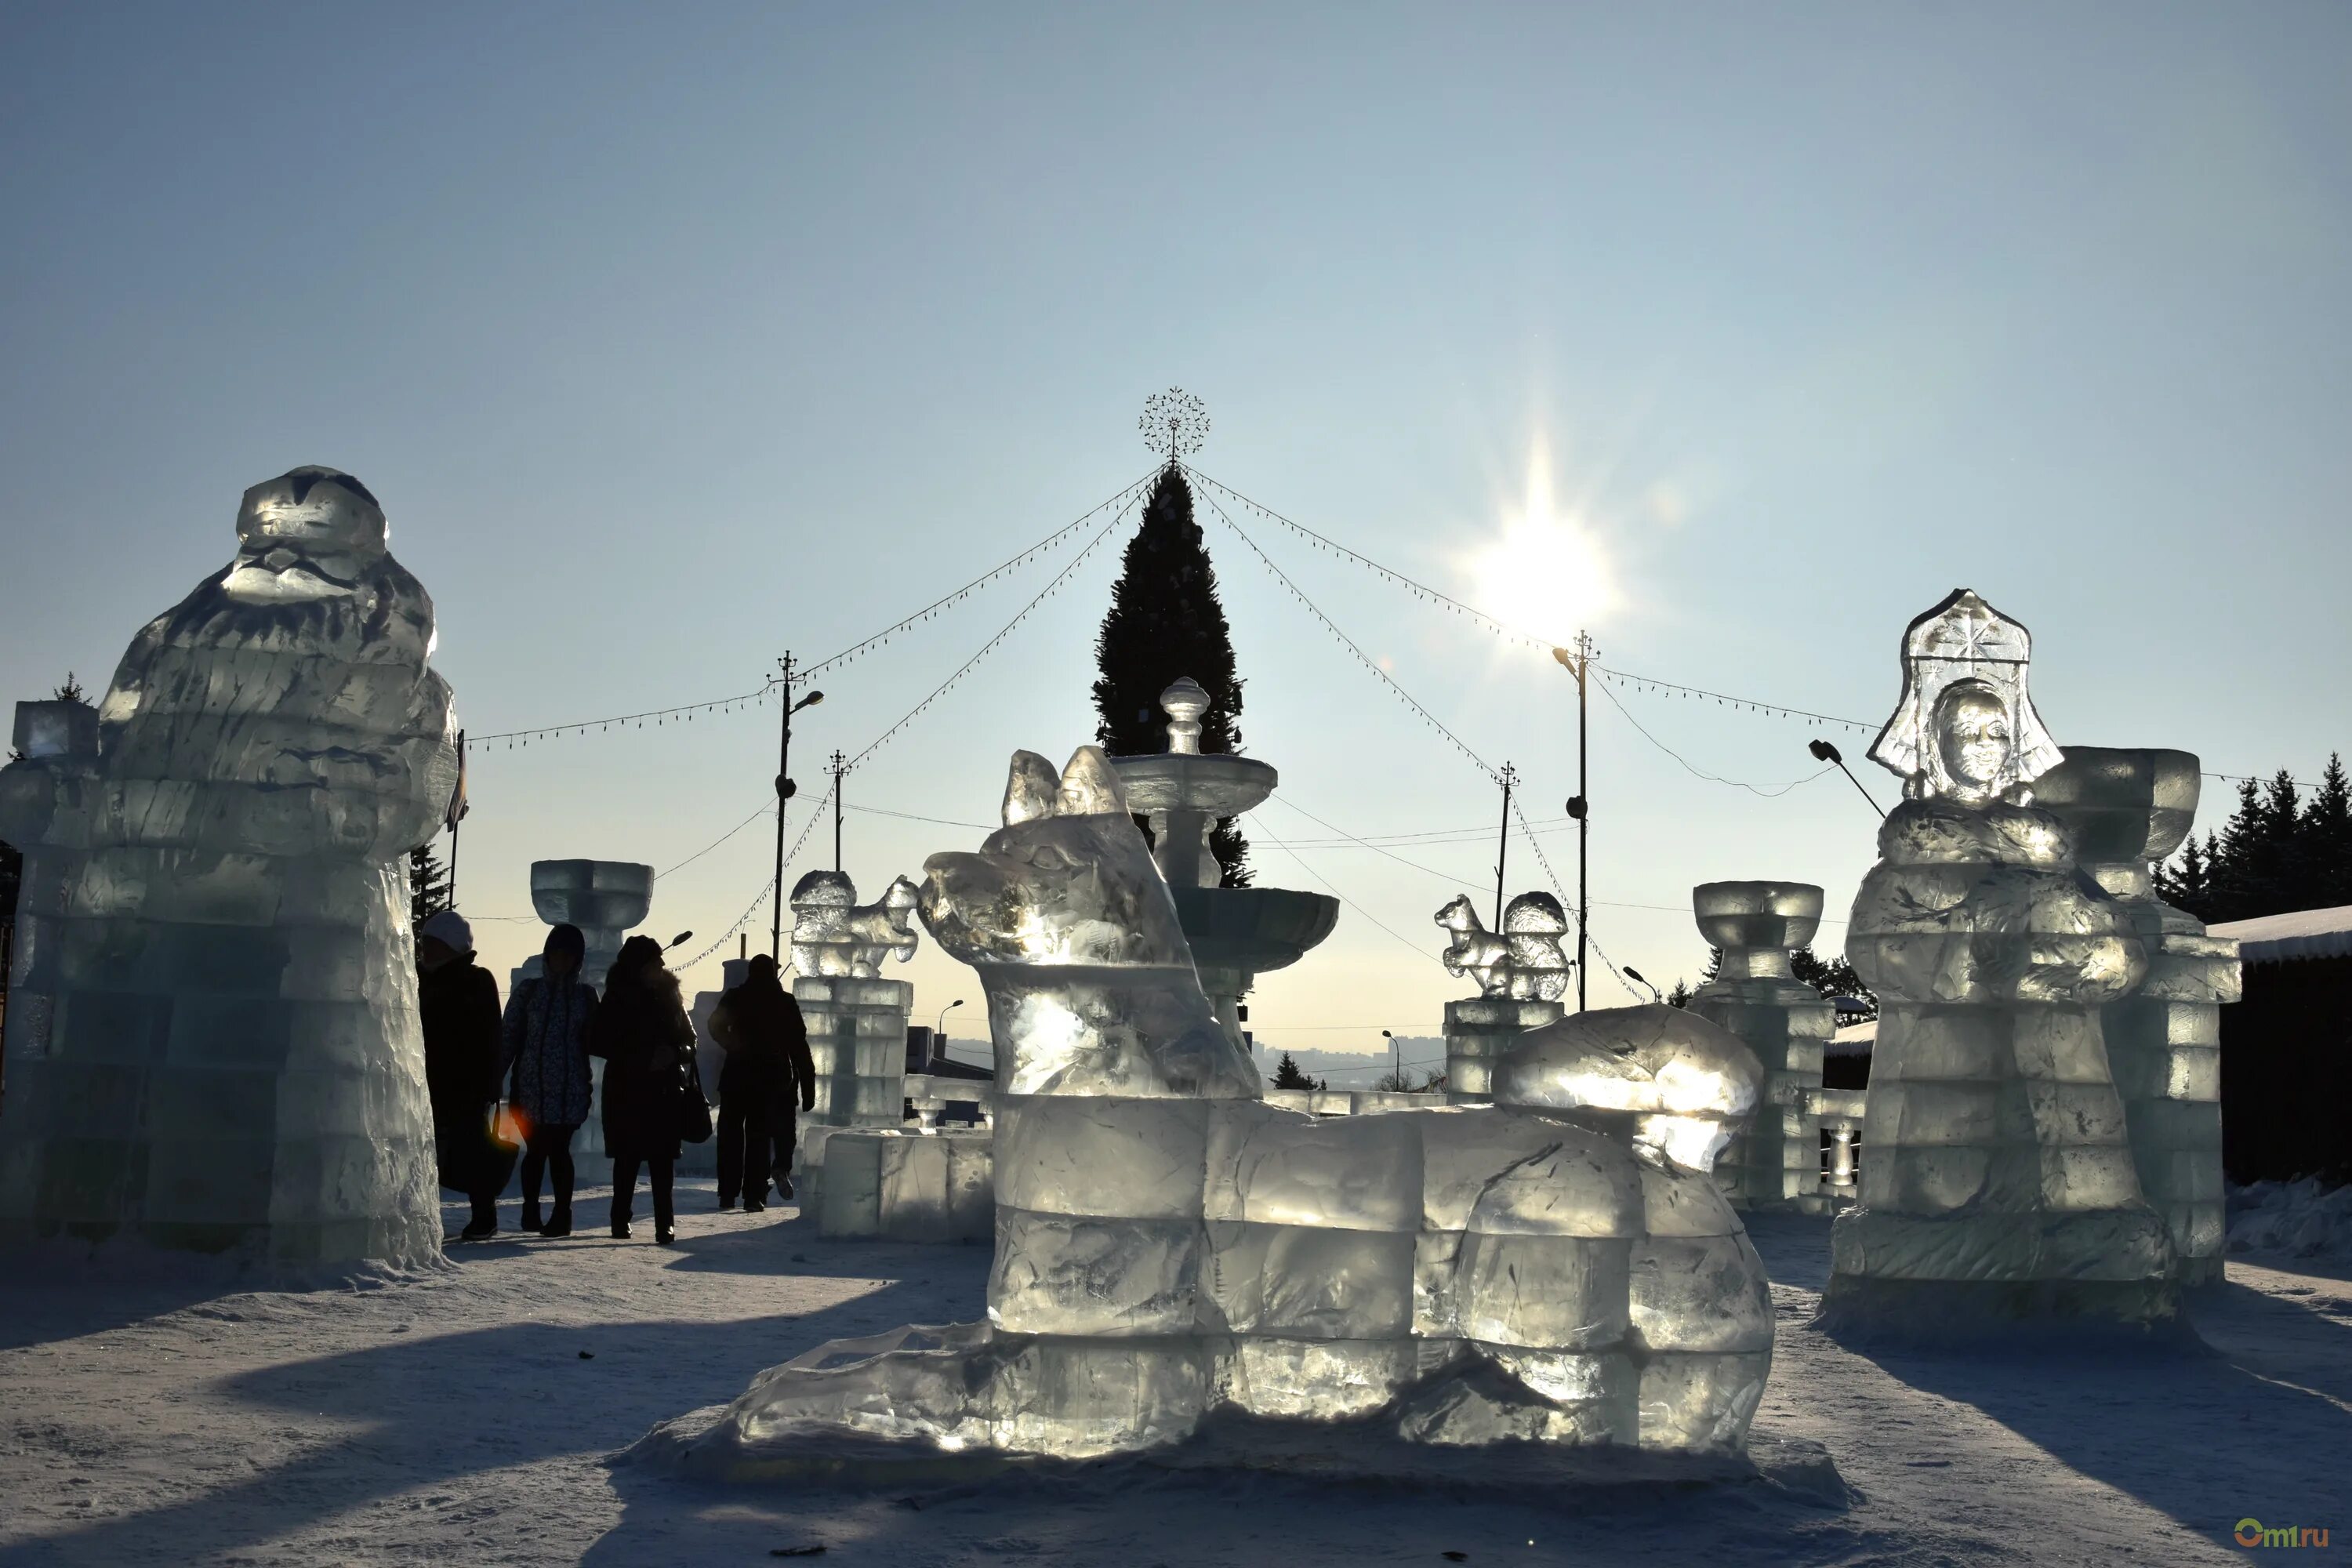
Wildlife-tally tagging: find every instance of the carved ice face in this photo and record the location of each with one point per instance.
(1972, 736)
(306, 535)
(1067, 880)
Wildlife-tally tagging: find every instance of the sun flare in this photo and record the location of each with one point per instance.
(1545, 571)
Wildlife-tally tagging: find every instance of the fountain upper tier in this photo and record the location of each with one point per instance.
(1235, 933)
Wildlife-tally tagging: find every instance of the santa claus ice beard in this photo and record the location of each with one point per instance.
(386, 611)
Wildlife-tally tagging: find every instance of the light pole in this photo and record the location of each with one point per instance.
(784, 792)
(1630, 972)
(938, 1034)
(1579, 664)
(1825, 753)
(1396, 1062)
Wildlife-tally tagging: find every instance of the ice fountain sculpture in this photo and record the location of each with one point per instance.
(856, 1020)
(1235, 933)
(1775, 1162)
(2000, 1183)
(213, 1037)
(2129, 808)
(1169, 1245)
(1522, 972)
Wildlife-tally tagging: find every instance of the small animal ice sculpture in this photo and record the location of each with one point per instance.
(1523, 960)
(833, 934)
(1999, 1181)
(1166, 1244)
(213, 1039)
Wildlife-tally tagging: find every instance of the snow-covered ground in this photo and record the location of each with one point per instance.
(473, 1416)
(2301, 1219)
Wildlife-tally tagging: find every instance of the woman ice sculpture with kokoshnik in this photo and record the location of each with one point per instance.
(2001, 1184)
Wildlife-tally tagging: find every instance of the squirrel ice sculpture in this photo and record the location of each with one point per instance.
(1561, 1269)
(213, 1039)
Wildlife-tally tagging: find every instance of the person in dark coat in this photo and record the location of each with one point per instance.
(768, 1065)
(641, 1032)
(546, 1053)
(457, 1010)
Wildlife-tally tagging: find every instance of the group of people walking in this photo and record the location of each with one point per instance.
(536, 1055)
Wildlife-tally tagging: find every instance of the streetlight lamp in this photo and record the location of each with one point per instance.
(1630, 972)
(1825, 753)
(938, 1038)
(1396, 1064)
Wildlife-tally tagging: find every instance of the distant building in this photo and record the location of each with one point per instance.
(2286, 1050)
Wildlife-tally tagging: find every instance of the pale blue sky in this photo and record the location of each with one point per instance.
(672, 337)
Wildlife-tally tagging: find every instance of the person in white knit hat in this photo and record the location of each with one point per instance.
(457, 1003)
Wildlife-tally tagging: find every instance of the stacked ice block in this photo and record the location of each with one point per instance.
(2128, 808)
(213, 1033)
(1775, 1161)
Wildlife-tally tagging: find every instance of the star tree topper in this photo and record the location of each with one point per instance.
(1174, 424)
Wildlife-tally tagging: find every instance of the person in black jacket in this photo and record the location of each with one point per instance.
(457, 1010)
(768, 1065)
(641, 1032)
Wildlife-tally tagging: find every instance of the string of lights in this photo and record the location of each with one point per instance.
(1123, 498)
(1348, 643)
(1389, 575)
(685, 712)
(991, 645)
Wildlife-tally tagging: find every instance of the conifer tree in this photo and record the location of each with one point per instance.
(2327, 833)
(1165, 623)
(1286, 1074)
(429, 885)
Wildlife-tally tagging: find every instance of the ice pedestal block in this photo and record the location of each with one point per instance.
(2129, 810)
(212, 1040)
(1557, 1267)
(1999, 1180)
(1774, 1159)
(905, 1185)
(1480, 1028)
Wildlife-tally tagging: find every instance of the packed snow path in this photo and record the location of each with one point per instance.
(472, 1416)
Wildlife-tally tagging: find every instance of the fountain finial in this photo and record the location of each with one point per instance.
(1184, 702)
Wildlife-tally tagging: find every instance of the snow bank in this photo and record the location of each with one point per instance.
(2301, 1218)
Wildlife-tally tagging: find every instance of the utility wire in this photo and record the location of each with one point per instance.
(1346, 838)
(763, 810)
(1568, 905)
(1768, 790)
(1335, 893)
(816, 815)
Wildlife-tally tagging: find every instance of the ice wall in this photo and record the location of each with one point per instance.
(212, 1033)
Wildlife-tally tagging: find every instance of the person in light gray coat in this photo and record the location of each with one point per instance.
(546, 1053)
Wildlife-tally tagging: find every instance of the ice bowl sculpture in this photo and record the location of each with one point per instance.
(1775, 1161)
(2129, 808)
(2000, 1184)
(213, 1037)
(1169, 1246)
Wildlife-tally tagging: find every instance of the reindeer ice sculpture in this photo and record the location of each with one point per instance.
(1169, 1245)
